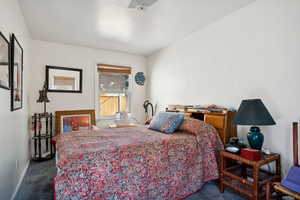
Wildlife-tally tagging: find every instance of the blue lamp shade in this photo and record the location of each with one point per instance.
(254, 113)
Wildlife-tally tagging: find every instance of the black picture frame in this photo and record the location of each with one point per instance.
(4, 62)
(48, 68)
(16, 77)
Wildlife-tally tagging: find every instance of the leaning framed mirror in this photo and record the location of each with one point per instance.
(63, 79)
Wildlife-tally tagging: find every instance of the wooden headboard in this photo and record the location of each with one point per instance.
(222, 121)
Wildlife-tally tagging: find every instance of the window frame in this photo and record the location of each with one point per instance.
(97, 94)
(119, 105)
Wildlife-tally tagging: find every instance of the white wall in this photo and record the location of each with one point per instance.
(14, 125)
(45, 53)
(251, 53)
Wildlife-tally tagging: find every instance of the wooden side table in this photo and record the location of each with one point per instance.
(245, 176)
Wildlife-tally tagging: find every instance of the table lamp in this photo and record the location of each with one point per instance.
(43, 97)
(254, 113)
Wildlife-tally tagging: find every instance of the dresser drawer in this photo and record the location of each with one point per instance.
(217, 121)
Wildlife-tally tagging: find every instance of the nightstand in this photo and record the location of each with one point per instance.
(245, 176)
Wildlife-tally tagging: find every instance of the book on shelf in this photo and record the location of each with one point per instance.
(196, 108)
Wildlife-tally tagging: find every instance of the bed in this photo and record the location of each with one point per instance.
(136, 162)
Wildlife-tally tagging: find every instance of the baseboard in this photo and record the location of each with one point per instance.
(20, 181)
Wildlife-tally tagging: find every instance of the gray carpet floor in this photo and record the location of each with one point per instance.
(38, 185)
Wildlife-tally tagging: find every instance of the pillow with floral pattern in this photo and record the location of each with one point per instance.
(166, 122)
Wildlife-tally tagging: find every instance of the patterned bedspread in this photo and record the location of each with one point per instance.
(135, 163)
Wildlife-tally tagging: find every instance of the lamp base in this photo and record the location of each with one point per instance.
(255, 138)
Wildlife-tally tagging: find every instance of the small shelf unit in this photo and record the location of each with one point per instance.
(42, 125)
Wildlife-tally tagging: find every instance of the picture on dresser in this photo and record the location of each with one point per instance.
(17, 74)
(4, 62)
(63, 79)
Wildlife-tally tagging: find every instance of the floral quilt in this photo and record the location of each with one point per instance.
(136, 163)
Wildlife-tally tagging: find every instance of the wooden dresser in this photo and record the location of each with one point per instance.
(221, 121)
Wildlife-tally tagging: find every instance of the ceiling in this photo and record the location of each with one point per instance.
(109, 24)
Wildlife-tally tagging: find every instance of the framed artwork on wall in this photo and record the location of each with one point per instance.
(63, 79)
(74, 121)
(4, 63)
(16, 67)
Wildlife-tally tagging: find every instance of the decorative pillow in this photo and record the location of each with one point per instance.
(195, 126)
(202, 130)
(166, 122)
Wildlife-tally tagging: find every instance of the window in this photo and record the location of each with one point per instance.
(114, 90)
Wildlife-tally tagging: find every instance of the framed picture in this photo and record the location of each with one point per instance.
(63, 79)
(16, 74)
(4, 63)
(74, 120)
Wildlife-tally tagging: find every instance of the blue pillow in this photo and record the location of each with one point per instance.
(166, 122)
